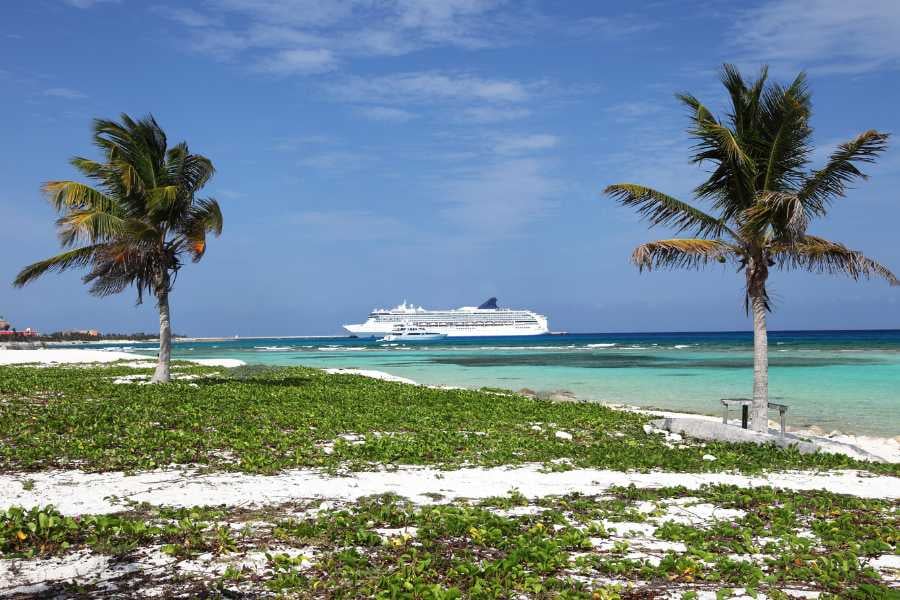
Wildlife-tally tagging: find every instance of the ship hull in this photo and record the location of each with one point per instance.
(382, 329)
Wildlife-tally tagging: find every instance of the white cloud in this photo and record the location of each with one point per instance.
(290, 12)
(455, 22)
(86, 3)
(387, 114)
(67, 93)
(613, 28)
(637, 109)
(335, 161)
(219, 43)
(822, 36)
(494, 114)
(348, 225)
(293, 143)
(429, 86)
(298, 61)
(523, 144)
(188, 16)
(264, 30)
(500, 199)
(230, 194)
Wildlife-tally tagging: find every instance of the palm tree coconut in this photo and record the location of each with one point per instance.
(138, 220)
(763, 195)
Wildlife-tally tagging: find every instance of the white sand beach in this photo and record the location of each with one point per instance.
(76, 492)
(373, 374)
(59, 356)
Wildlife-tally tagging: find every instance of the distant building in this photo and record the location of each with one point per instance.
(7, 331)
(87, 332)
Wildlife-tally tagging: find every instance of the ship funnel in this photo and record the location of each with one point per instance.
(490, 303)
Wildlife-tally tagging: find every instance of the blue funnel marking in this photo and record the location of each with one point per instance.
(490, 303)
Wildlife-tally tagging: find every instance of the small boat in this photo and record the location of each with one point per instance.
(405, 332)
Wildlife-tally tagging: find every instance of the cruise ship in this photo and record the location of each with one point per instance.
(468, 321)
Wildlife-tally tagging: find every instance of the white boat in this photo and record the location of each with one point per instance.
(411, 333)
(488, 319)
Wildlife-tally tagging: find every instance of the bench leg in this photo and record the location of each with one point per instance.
(781, 415)
(745, 416)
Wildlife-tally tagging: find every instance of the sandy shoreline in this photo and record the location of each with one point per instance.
(60, 356)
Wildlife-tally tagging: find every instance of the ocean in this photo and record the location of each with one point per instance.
(844, 380)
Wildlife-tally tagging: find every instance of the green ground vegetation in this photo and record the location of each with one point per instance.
(268, 420)
(758, 541)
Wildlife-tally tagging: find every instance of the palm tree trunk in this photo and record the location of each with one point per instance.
(760, 409)
(165, 339)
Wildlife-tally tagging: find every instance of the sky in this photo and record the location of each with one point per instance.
(435, 151)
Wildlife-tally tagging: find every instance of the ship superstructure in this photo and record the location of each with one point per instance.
(488, 319)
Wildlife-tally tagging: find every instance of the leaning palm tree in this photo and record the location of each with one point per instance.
(763, 196)
(135, 225)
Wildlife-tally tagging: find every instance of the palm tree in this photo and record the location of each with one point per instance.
(763, 196)
(135, 225)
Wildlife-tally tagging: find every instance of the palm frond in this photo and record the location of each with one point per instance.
(660, 209)
(776, 213)
(91, 226)
(744, 99)
(682, 253)
(123, 264)
(785, 131)
(90, 168)
(162, 200)
(188, 171)
(206, 215)
(731, 183)
(824, 256)
(79, 257)
(129, 178)
(717, 142)
(65, 195)
(827, 184)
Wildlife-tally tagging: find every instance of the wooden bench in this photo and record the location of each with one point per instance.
(745, 404)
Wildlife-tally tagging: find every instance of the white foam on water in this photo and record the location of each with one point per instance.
(522, 347)
(342, 348)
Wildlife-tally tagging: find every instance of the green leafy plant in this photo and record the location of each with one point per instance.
(280, 419)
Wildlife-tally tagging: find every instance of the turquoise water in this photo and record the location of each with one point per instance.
(846, 380)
